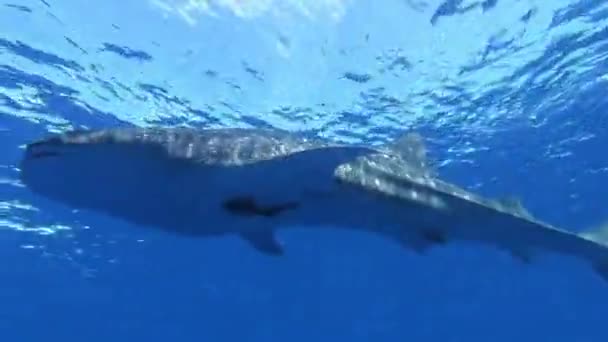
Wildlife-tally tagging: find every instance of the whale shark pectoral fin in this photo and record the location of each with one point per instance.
(601, 269)
(524, 256)
(420, 247)
(434, 236)
(422, 242)
(248, 206)
(265, 242)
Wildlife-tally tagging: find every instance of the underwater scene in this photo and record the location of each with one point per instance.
(304, 170)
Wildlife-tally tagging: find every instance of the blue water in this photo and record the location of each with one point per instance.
(510, 96)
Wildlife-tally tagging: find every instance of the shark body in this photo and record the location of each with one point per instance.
(252, 182)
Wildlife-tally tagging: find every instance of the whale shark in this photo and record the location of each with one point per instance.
(252, 183)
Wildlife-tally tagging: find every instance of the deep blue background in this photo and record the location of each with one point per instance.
(510, 96)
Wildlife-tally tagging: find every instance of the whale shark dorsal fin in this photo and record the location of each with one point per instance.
(412, 149)
(514, 204)
(597, 234)
(511, 202)
(265, 242)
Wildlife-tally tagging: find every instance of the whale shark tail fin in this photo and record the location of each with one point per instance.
(599, 235)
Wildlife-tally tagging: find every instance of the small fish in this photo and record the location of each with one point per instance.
(253, 182)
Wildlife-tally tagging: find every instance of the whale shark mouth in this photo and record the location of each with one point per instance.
(43, 154)
(47, 148)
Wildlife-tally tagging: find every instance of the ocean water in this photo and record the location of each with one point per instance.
(509, 95)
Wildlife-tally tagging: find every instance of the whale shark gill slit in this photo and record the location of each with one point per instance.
(247, 206)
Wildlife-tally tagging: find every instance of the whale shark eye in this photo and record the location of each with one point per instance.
(247, 206)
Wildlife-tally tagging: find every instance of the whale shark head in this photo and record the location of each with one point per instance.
(82, 169)
(53, 165)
